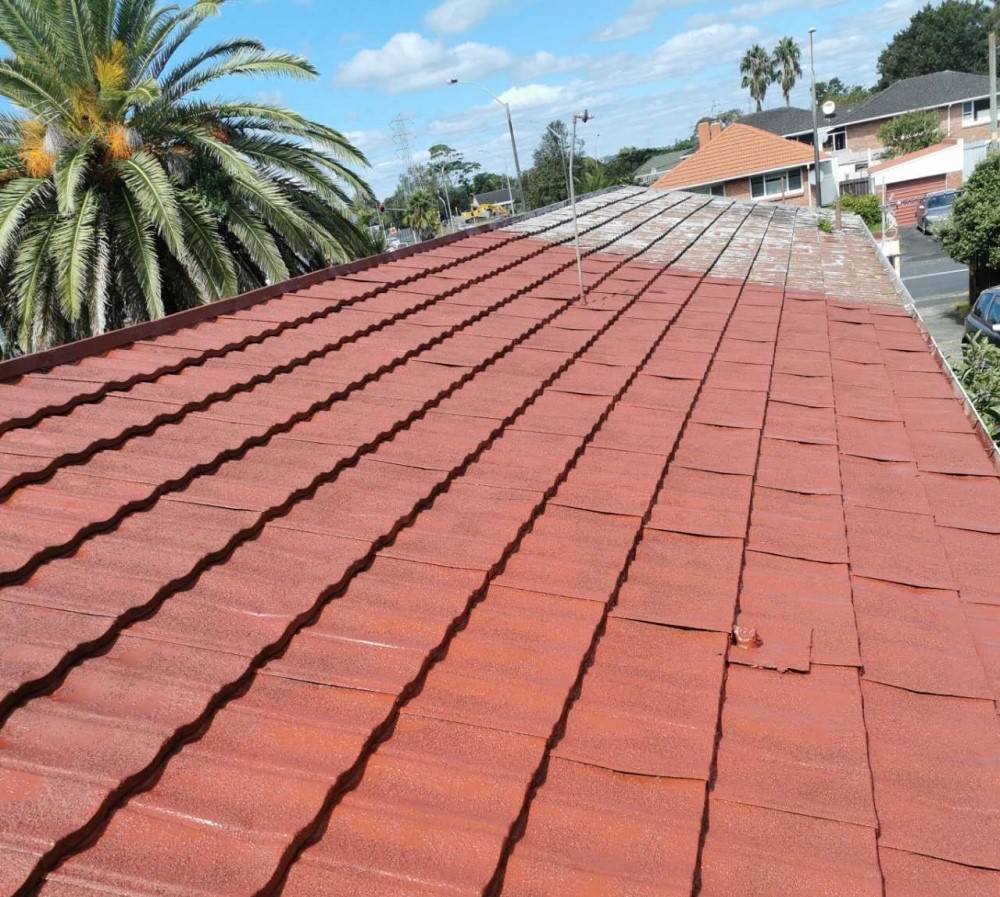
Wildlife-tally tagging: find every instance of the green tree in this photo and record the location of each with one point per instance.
(487, 182)
(787, 62)
(841, 93)
(910, 132)
(422, 214)
(451, 168)
(972, 234)
(620, 167)
(757, 69)
(591, 175)
(126, 194)
(951, 36)
(979, 373)
(547, 181)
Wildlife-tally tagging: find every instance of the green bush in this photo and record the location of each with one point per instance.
(910, 132)
(979, 373)
(868, 207)
(825, 225)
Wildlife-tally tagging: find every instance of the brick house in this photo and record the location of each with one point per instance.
(961, 101)
(743, 162)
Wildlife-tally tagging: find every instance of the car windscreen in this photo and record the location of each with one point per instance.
(940, 202)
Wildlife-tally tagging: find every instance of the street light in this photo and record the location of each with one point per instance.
(812, 92)
(510, 128)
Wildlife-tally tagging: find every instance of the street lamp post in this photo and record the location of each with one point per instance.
(510, 129)
(812, 93)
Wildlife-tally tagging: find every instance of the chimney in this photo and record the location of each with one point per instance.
(708, 131)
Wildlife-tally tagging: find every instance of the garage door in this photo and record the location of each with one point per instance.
(904, 197)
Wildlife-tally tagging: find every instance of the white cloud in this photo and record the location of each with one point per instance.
(761, 8)
(409, 61)
(542, 62)
(639, 17)
(456, 16)
(692, 50)
(535, 95)
(368, 141)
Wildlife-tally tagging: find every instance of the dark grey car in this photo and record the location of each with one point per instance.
(935, 208)
(985, 316)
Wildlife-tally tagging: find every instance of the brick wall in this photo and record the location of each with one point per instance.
(863, 136)
(740, 189)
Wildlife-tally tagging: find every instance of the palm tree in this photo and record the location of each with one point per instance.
(787, 64)
(422, 214)
(124, 195)
(592, 176)
(757, 69)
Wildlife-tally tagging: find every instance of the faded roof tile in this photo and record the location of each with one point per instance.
(430, 566)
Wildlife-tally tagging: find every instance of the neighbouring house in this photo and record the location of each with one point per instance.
(742, 162)
(793, 122)
(502, 197)
(904, 180)
(425, 576)
(961, 101)
(657, 166)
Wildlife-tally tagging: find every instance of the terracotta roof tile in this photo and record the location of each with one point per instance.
(420, 576)
(740, 150)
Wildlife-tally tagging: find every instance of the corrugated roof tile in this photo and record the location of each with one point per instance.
(372, 562)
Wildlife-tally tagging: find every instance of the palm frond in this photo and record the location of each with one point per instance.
(135, 238)
(149, 184)
(17, 199)
(74, 241)
(71, 170)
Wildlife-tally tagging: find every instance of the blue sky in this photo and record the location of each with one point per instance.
(647, 69)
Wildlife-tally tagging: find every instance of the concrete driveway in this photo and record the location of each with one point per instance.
(937, 285)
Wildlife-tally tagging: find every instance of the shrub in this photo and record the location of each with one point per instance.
(910, 132)
(825, 225)
(868, 207)
(979, 373)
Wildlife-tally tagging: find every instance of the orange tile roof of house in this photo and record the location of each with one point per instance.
(738, 151)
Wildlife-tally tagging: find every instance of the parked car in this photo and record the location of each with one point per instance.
(985, 316)
(935, 208)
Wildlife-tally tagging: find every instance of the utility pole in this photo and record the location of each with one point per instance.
(510, 130)
(812, 93)
(993, 91)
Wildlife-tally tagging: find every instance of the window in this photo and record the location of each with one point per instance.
(711, 189)
(836, 140)
(975, 112)
(983, 305)
(941, 200)
(777, 183)
(992, 316)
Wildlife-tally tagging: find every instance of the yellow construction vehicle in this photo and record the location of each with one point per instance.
(485, 212)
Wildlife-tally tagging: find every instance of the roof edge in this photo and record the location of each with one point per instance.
(748, 174)
(975, 418)
(75, 351)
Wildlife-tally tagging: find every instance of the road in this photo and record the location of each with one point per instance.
(937, 284)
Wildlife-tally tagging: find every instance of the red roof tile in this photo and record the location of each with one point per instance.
(420, 577)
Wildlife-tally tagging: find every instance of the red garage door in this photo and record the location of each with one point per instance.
(904, 197)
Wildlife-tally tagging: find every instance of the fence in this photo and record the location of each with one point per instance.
(856, 186)
(975, 152)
